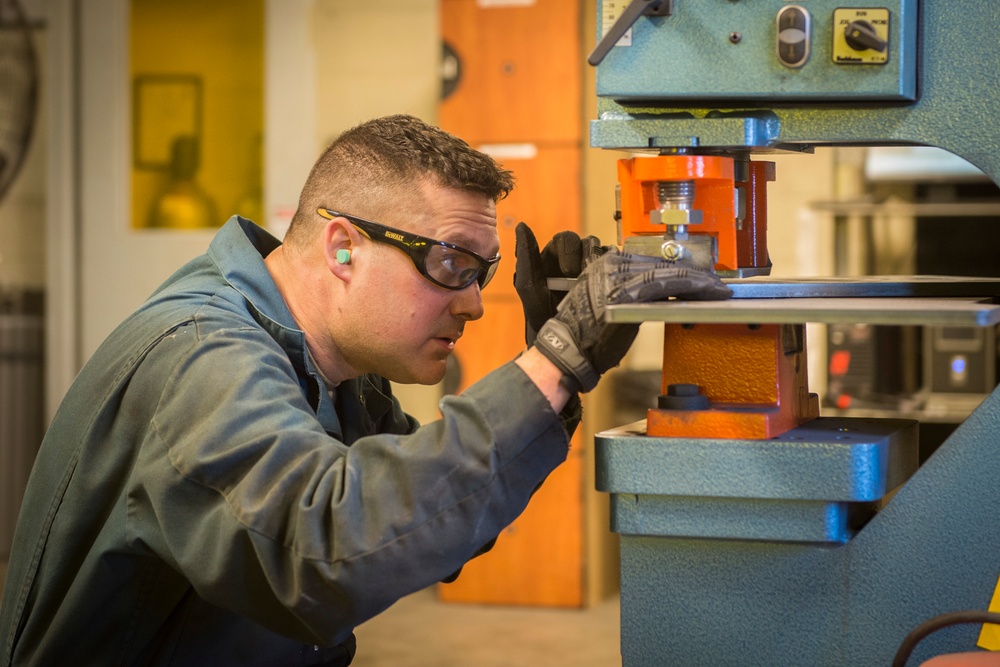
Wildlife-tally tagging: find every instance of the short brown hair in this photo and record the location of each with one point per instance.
(369, 165)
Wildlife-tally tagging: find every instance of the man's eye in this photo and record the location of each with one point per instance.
(456, 262)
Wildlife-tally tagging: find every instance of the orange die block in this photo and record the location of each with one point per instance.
(755, 379)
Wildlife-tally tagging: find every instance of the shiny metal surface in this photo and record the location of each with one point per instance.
(829, 458)
(884, 300)
(766, 287)
(868, 286)
(929, 311)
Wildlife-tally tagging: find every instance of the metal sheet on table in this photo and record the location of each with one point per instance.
(867, 286)
(891, 311)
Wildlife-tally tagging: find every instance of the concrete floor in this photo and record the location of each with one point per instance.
(420, 631)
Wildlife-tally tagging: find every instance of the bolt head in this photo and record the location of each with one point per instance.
(672, 251)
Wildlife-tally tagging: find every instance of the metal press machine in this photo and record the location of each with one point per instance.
(754, 531)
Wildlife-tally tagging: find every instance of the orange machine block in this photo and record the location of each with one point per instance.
(754, 376)
(741, 235)
(714, 196)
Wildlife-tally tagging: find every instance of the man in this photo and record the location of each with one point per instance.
(229, 480)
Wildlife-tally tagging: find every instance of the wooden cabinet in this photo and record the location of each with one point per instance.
(538, 559)
(520, 70)
(492, 341)
(547, 198)
(519, 98)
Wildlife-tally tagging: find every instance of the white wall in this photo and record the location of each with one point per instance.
(374, 59)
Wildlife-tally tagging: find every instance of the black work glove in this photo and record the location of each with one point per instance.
(579, 341)
(565, 256)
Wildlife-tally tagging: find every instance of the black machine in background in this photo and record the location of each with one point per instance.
(937, 373)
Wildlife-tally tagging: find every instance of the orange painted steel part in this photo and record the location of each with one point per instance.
(754, 377)
(741, 245)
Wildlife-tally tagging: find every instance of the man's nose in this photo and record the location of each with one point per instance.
(468, 303)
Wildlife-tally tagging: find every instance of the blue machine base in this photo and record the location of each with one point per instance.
(934, 547)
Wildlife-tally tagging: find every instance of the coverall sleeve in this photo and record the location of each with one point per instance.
(240, 489)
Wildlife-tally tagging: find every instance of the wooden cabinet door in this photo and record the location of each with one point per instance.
(491, 341)
(538, 559)
(546, 197)
(518, 99)
(520, 70)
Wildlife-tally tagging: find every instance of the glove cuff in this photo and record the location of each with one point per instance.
(556, 342)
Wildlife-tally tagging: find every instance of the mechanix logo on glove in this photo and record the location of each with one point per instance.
(555, 341)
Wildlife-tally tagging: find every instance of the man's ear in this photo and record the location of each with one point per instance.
(340, 240)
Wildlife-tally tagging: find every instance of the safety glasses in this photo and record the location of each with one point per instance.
(444, 264)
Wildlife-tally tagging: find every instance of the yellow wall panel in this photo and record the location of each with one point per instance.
(187, 49)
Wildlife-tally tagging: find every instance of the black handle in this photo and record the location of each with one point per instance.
(635, 9)
(861, 35)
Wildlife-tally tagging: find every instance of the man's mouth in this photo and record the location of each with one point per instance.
(449, 341)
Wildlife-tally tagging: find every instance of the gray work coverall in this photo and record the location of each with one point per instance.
(201, 498)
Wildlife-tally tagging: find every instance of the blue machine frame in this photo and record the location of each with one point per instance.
(745, 555)
(958, 90)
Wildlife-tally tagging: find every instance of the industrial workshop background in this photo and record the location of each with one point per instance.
(77, 232)
(79, 243)
(22, 297)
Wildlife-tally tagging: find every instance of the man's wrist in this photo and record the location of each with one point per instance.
(546, 376)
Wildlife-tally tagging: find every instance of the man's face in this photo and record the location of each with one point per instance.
(401, 325)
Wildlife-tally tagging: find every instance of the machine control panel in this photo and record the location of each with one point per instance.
(761, 52)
